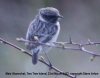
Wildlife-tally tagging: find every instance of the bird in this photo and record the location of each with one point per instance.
(45, 28)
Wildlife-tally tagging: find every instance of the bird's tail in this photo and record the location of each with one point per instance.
(35, 58)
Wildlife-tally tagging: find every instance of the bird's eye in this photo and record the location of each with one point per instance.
(52, 16)
(49, 16)
(45, 16)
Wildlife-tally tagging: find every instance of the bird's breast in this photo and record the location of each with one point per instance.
(49, 32)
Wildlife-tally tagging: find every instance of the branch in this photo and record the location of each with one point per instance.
(41, 60)
(62, 45)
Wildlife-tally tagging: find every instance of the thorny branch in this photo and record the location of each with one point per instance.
(61, 45)
(41, 59)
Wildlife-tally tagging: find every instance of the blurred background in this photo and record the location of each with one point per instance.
(81, 21)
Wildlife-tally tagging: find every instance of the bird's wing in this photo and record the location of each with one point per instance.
(30, 34)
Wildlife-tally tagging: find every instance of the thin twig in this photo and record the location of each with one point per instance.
(62, 45)
(41, 60)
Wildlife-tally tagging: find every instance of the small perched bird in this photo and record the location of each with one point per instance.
(44, 28)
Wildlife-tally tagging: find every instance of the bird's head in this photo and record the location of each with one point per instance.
(49, 14)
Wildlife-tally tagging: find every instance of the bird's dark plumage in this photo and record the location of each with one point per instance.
(45, 26)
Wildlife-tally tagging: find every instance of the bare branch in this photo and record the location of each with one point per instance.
(62, 45)
(28, 53)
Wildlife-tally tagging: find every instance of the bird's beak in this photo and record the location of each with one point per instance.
(60, 16)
